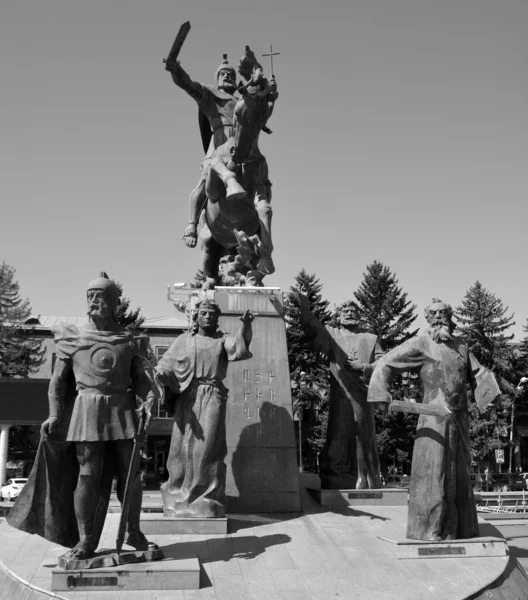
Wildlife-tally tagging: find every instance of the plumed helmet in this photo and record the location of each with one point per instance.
(225, 65)
(103, 282)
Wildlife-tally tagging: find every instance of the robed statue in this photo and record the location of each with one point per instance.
(192, 373)
(349, 459)
(441, 501)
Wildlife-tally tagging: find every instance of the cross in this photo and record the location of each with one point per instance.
(271, 54)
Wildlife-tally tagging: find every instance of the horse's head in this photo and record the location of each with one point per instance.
(251, 114)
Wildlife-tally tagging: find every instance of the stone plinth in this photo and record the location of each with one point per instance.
(380, 497)
(262, 473)
(471, 548)
(162, 575)
(156, 524)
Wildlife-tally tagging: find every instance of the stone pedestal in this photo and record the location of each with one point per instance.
(161, 575)
(471, 548)
(262, 473)
(380, 497)
(261, 460)
(157, 524)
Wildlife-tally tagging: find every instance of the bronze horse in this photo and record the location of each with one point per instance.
(237, 216)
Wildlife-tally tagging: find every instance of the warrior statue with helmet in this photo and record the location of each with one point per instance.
(231, 117)
(88, 437)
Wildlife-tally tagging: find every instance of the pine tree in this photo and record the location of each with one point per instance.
(125, 316)
(308, 372)
(482, 321)
(20, 351)
(522, 358)
(382, 307)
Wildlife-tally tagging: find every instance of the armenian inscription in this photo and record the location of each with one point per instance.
(258, 388)
(441, 550)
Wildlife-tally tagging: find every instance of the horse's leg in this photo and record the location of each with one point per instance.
(210, 258)
(234, 191)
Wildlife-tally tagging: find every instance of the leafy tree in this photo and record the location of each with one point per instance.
(20, 352)
(382, 307)
(308, 371)
(484, 324)
(125, 316)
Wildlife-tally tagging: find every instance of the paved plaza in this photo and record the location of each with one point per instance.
(319, 555)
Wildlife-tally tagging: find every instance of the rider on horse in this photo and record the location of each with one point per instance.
(216, 119)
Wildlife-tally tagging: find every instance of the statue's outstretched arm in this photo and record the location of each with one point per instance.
(182, 79)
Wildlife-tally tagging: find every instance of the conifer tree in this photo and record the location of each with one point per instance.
(382, 307)
(522, 357)
(125, 316)
(483, 322)
(20, 351)
(309, 372)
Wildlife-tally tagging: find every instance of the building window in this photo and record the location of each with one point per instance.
(160, 351)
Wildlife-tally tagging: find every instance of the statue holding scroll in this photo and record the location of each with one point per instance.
(441, 501)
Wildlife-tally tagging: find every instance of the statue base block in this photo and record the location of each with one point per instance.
(110, 558)
(156, 524)
(379, 497)
(162, 575)
(470, 548)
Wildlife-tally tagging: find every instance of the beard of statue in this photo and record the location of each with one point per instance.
(98, 306)
(441, 332)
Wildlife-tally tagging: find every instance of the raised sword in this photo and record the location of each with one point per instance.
(176, 47)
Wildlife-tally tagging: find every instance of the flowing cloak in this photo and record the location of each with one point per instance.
(45, 505)
(193, 370)
(350, 449)
(441, 501)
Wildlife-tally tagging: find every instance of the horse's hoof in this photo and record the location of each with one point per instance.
(266, 266)
(254, 279)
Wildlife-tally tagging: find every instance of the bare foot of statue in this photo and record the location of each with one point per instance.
(190, 236)
(84, 549)
(137, 540)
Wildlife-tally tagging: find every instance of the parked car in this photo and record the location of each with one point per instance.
(506, 482)
(524, 477)
(398, 481)
(12, 488)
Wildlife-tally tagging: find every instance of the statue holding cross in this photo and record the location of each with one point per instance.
(231, 113)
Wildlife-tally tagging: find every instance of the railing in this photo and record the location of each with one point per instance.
(502, 502)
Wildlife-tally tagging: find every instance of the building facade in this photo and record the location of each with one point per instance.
(25, 401)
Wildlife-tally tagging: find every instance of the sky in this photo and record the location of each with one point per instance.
(400, 135)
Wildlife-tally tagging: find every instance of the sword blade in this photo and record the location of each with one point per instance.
(417, 408)
(178, 43)
(131, 475)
